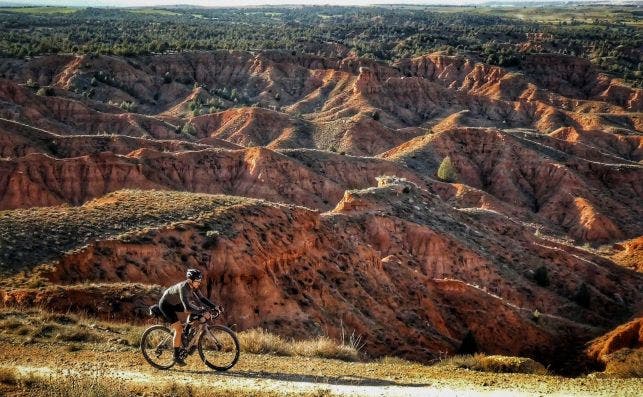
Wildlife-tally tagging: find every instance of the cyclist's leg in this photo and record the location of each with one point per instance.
(177, 327)
(170, 313)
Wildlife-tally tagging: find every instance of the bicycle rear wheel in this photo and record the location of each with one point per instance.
(156, 346)
(219, 347)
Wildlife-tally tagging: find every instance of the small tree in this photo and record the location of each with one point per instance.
(32, 84)
(446, 171)
(128, 106)
(45, 91)
(188, 129)
(469, 344)
(582, 296)
(541, 276)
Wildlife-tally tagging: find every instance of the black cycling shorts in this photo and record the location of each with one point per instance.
(169, 311)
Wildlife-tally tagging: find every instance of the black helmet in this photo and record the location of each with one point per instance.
(194, 274)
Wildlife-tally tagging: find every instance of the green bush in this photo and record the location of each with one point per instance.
(128, 106)
(45, 91)
(188, 129)
(447, 171)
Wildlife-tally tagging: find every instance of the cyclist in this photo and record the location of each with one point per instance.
(176, 299)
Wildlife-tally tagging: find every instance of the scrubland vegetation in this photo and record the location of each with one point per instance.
(608, 36)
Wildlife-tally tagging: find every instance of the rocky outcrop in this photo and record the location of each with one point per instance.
(630, 254)
(249, 127)
(626, 336)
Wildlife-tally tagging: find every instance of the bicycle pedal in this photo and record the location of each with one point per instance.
(192, 350)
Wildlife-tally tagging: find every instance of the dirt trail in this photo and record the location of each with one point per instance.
(276, 375)
(252, 382)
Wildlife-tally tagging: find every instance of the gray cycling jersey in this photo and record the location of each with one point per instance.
(179, 294)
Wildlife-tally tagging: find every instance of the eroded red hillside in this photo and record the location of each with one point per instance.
(301, 241)
(398, 265)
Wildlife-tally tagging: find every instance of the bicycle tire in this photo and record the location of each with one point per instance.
(235, 347)
(170, 349)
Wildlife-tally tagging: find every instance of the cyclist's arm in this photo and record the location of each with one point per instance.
(187, 305)
(204, 300)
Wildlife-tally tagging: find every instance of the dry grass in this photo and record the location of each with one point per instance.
(8, 376)
(78, 335)
(61, 318)
(46, 233)
(394, 361)
(36, 324)
(498, 364)
(259, 341)
(98, 385)
(10, 324)
(625, 363)
(324, 347)
(39, 325)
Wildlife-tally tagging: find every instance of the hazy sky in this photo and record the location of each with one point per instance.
(231, 3)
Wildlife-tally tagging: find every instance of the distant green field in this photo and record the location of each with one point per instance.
(151, 11)
(549, 14)
(40, 10)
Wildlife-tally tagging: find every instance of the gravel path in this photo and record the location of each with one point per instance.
(298, 375)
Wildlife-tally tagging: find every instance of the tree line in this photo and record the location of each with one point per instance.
(381, 33)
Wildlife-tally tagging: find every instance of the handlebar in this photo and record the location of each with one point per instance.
(215, 311)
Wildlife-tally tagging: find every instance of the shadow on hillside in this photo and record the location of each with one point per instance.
(331, 380)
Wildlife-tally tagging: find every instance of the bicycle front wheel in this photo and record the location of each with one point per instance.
(156, 346)
(219, 347)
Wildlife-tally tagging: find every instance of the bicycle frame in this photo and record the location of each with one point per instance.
(200, 326)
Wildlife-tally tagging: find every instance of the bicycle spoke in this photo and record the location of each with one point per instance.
(219, 348)
(156, 346)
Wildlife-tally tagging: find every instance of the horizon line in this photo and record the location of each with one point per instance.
(298, 3)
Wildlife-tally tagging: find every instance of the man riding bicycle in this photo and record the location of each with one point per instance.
(176, 299)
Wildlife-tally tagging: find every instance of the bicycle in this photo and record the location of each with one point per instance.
(217, 345)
